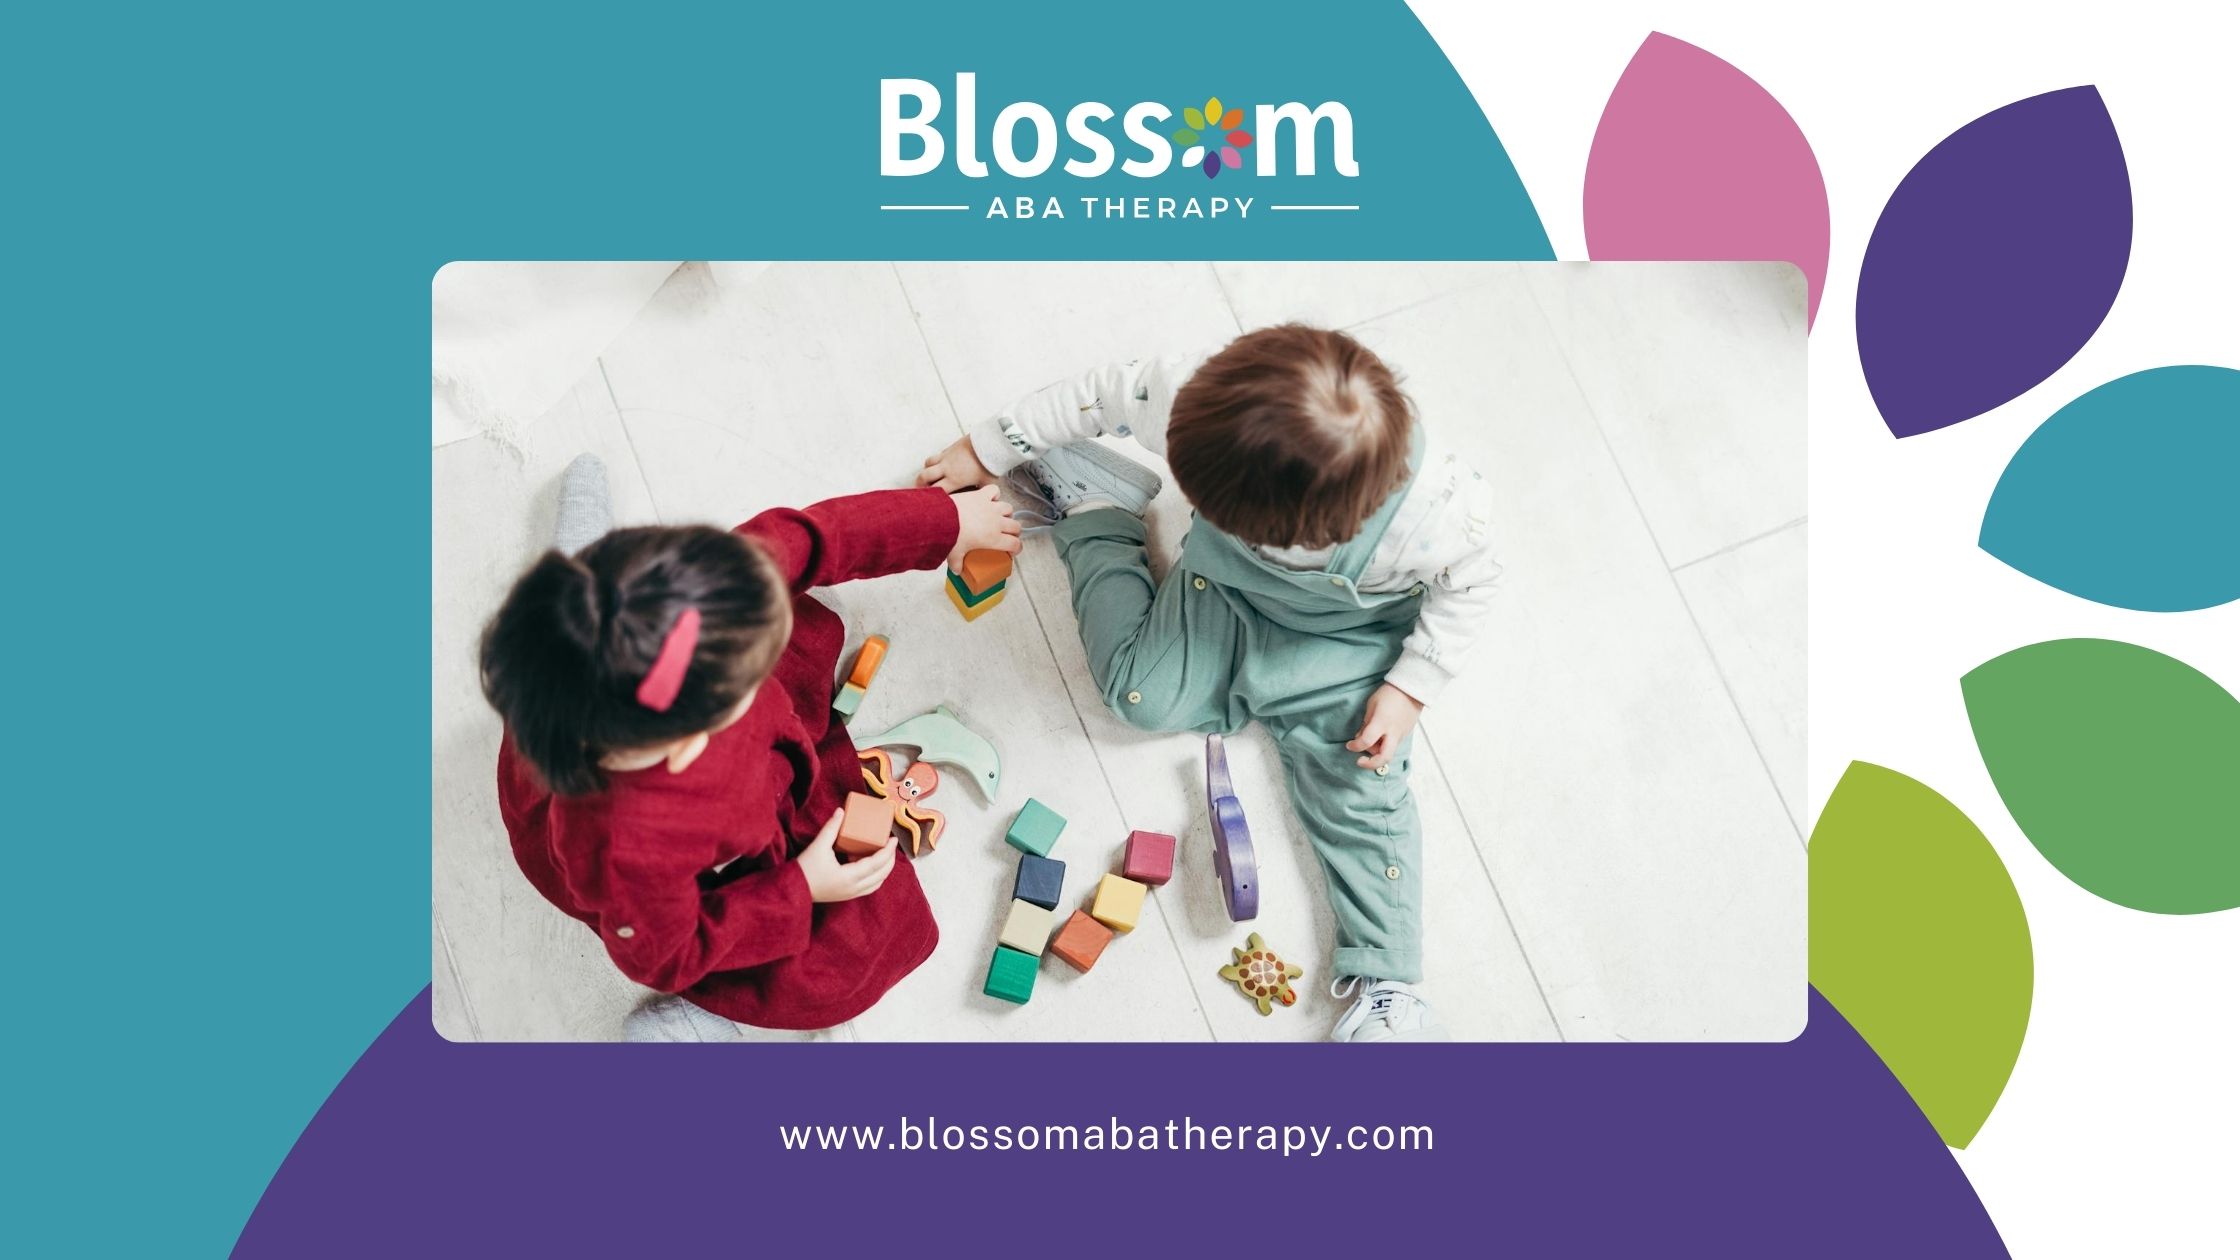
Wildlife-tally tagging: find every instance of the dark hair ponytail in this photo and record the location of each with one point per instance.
(562, 660)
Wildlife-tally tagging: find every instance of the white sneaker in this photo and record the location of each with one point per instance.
(1080, 475)
(1387, 1010)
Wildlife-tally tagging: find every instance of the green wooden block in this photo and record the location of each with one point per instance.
(1036, 829)
(1010, 975)
(845, 703)
(970, 597)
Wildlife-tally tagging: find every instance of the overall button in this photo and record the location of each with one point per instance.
(1418, 590)
(626, 932)
(1337, 581)
(1135, 697)
(1392, 872)
(1200, 583)
(1383, 770)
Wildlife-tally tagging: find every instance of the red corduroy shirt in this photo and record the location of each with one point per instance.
(639, 862)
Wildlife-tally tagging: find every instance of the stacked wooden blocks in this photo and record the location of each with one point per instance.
(976, 583)
(868, 659)
(1035, 890)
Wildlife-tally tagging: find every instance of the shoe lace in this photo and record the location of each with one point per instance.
(1349, 983)
(1389, 1001)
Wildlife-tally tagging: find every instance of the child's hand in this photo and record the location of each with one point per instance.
(983, 524)
(1390, 719)
(830, 879)
(956, 467)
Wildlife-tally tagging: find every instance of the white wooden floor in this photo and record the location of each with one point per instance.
(1612, 794)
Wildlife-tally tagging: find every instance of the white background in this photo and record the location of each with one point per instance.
(2115, 1136)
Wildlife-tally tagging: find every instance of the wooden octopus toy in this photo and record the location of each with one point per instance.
(917, 782)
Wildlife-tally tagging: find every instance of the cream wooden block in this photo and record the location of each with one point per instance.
(1027, 928)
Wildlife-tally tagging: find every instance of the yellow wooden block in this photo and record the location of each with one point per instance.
(1027, 928)
(972, 612)
(1119, 903)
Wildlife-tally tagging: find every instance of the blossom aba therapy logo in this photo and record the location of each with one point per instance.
(923, 131)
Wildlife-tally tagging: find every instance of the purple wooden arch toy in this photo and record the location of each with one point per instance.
(1232, 840)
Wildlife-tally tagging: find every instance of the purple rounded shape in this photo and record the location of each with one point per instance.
(1806, 1148)
(1212, 165)
(1994, 261)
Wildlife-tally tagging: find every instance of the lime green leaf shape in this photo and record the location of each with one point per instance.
(2121, 765)
(1919, 939)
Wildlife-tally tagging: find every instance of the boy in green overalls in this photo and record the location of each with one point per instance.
(1334, 575)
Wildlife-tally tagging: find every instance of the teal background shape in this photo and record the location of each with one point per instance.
(220, 595)
(2127, 496)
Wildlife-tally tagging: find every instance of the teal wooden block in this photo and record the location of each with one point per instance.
(1036, 828)
(849, 699)
(1011, 975)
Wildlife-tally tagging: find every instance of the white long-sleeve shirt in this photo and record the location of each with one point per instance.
(1437, 537)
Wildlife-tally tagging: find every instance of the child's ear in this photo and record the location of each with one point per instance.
(686, 751)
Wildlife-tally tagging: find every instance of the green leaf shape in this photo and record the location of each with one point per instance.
(2121, 765)
(1193, 117)
(1183, 135)
(1919, 939)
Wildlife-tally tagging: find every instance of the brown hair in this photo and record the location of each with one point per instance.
(1290, 437)
(562, 660)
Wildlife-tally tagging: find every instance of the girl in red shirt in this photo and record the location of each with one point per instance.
(672, 772)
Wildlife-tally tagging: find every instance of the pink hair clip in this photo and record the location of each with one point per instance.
(663, 681)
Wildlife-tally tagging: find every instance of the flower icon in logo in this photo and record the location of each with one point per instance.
(1212, 152)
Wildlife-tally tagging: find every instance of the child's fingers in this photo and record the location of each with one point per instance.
(829, 832)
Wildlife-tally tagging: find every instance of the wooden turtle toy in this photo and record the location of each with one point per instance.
(1263, 976)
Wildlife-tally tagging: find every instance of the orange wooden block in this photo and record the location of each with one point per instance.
(983, 569)
(1080, 941)
(865, 826)
(868, 660)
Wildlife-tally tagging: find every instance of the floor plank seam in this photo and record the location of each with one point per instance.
(458, 981)
(630, 439)
(1470, 833)
(1718, 670)
(1733, 547)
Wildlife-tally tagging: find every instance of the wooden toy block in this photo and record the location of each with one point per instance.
(1118, 904)
(1080, 941)
(846, 703)
(1027, 927)
(970, 598)
(983, 569)
(869, 657)
(973, 612)
(1040, 880)
(944, 741)
(1150, 858)
(1010, 975)
(865, 825)
(1036, 828)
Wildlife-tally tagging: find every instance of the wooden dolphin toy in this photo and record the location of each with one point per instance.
(942, 740)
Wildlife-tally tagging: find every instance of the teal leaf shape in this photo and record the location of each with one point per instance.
(2126, 495)
(1919, 939)
(2121, 765)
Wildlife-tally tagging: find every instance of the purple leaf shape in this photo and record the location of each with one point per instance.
(1994, 261)
(1694, 160)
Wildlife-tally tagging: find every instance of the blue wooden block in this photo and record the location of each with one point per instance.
(1041, 880)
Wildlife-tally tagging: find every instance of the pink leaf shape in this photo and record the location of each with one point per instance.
(1693, 160)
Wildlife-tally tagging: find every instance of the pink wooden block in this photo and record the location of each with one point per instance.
(1150, 858)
